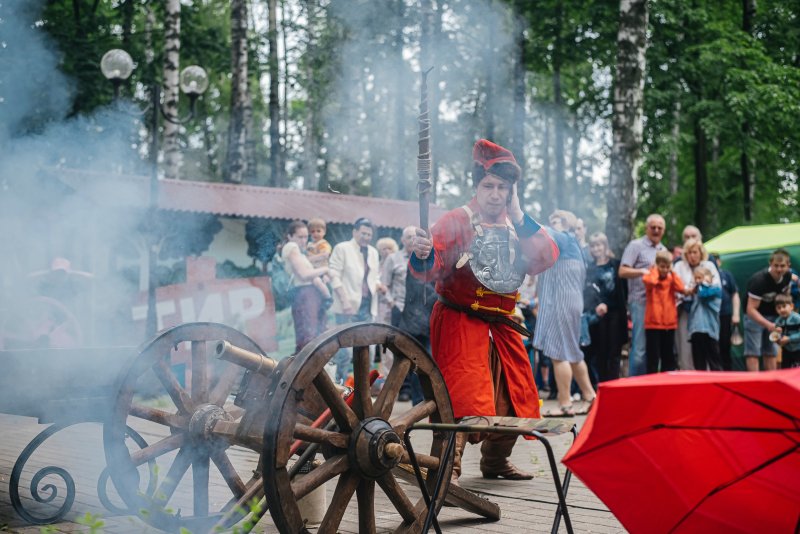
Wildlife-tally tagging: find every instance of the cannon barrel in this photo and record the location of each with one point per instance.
(257, 363)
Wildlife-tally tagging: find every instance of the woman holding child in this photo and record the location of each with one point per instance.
(308, 312)
(694, 256)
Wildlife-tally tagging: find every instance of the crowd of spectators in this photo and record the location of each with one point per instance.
(673, 310)
(676, 310)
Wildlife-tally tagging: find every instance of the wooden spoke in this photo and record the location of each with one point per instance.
(398, 497)
(200, 380)
(366, 506)
(362, 404)
(228, 472)
(335, 466)
(424, 460)
(341, 497)
(345, 417)
(391, 387)
(174, 475)
(417, 413)
(200, 484)
(173, 387)
(222, 389)
(319, 435)
(158, 448)
(158, 416)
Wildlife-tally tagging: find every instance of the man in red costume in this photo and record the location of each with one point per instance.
(478, 256)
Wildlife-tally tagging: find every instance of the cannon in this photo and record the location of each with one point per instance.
(259, 422)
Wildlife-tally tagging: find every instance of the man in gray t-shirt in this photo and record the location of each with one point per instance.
(639, 256)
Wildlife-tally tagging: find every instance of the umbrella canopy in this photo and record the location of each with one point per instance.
(695, 451)
(760, 237)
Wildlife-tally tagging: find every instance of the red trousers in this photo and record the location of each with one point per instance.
(460, 346)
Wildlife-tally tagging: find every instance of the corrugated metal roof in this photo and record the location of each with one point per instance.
(244, 200)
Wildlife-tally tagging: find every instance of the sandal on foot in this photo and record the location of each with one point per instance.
(561, 411)
(587, 407)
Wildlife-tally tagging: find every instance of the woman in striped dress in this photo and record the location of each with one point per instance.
(560, 291)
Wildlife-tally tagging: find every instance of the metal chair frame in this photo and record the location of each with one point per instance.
(539, 428)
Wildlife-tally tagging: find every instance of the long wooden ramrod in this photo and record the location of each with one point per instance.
(424, 154)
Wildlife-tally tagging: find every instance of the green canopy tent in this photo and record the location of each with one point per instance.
(744, 250)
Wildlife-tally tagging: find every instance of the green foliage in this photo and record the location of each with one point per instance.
(349, 74)
(84, 32)
(263, 237)
(742, 92)
(253, 512)
(228, 269)
(185, 234)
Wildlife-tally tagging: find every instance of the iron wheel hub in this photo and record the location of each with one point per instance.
(367, 451)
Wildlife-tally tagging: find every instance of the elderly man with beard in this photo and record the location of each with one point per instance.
(478, 255)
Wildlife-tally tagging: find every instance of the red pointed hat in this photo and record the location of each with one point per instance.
(485, 153)
(490, 158)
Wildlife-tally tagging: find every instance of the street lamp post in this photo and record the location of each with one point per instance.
(117, 67)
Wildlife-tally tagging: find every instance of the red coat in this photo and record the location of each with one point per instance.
(460, 343)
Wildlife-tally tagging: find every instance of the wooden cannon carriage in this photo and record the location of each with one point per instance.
(259, 422)
(284, 415)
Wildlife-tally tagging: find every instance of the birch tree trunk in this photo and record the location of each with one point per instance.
(700, 177)
(127, 8)
(746, 170)
(558, 115)
(149, 47)
(574, 200)
(673, 157)
(172, 50)
(426, 62)
(627, 123)
(238, 168)
(518, 82)
(310, 145)
(400, 176)
(546, 199)
(276, 165)
(284, 137)
(489, 65)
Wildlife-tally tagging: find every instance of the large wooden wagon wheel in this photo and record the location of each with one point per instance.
(190, 422)
(365, 443)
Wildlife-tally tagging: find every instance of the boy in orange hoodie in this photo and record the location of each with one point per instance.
(661, 313)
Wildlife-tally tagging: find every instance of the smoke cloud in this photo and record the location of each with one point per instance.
(44, 219)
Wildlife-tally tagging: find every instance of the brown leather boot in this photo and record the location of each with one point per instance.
(461, 443)
(495, 451)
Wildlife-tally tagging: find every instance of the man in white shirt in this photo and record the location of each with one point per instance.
(355, 276)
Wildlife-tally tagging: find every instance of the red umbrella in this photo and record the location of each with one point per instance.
(695, 451)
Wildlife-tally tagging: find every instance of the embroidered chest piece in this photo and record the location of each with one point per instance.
(494, 255)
